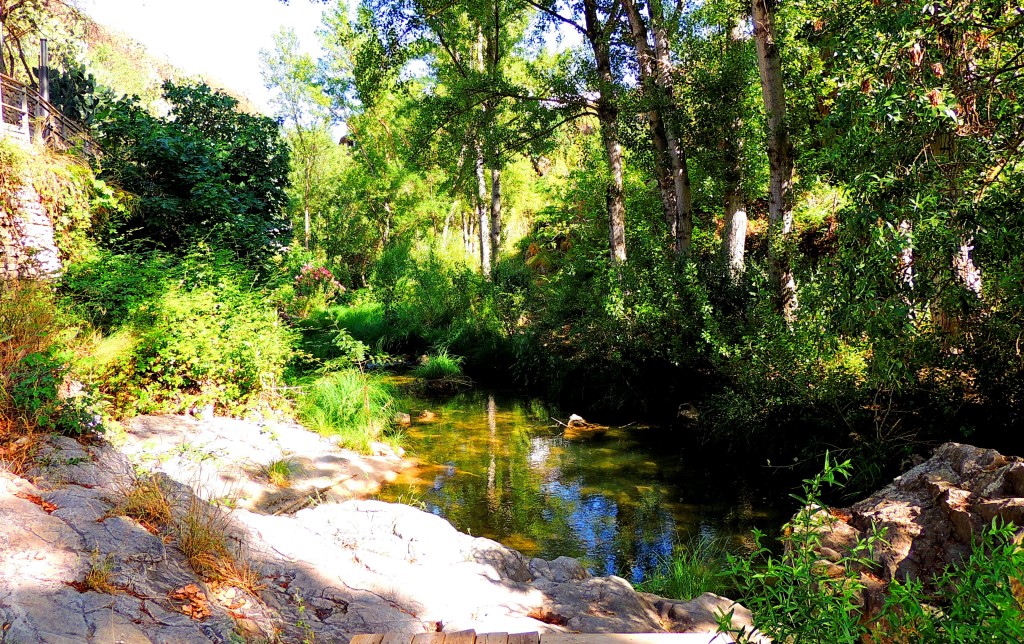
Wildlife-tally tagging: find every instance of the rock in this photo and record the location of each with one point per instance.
(932, 513)
(701, 615)
(426, 416)
(403, 419)
(325, 571)
(688, 413)
(42, 555)
(224, 460)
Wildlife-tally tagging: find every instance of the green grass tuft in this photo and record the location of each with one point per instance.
(440, 366)
(694, 568)
(354, 407)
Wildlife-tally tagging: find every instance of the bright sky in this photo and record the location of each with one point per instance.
(219, 38)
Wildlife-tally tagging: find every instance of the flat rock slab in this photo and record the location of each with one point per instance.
(225, 459)
(369, 566)
(50, 541)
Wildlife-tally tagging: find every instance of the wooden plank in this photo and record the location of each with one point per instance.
(523, 638)
(428, 638)
(367, 639)
(396, 638)
(492, 638)
(460, 637)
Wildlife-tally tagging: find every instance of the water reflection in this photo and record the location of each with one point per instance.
(500, 468)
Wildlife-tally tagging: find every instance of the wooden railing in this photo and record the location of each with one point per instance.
(26, 115)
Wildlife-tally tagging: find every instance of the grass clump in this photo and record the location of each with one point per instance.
(201, 533)
(146, 501)
(442, 372)
(280, 472)
(100, 575)
(349, 405)
(693, 568)
(440, 366)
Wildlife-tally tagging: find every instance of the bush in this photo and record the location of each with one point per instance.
(350, 405)
(184, 333)
(209, 173)
(45, 397)
(36, 390)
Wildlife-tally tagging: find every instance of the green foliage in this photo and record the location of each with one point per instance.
(349, 405)
(37, 385)
(73, 90)
(797, 597)
(206, 174)
(980, 600)
(42, 393)
(185, 332)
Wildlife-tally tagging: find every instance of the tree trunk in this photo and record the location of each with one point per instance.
(734, 237)
(677, 155)
(305, 222)
(481, 213)
(607, 114)
(780, 162)
(659, 139)
(495, 213)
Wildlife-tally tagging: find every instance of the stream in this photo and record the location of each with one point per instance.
(498, 466)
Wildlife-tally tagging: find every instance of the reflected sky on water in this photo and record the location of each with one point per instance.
(618, 500)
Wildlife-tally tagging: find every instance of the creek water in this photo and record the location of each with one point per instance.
(498, 466)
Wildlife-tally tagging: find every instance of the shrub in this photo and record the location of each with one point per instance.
(208, 173)
(26, 328)
(183, 333)
(36, 385)
(350, 405)
(45, 397)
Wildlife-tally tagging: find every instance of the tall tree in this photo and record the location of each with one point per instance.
(301, 104)
(780, 160)
(671, 171)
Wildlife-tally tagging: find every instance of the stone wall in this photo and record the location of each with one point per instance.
(26, 238)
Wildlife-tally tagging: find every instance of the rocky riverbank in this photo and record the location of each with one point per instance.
(930, 517)
(88, 553)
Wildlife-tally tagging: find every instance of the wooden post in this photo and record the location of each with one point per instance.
(44, 89)
(44, 69)
(24, 113)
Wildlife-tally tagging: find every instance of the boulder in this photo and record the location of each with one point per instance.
(932, 513)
